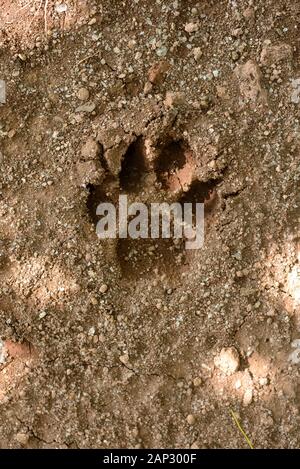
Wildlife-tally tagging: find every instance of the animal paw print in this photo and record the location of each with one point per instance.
(149, 172)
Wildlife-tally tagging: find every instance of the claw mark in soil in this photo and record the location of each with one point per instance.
(133, 167)
(175, 165)
(106, 192)
(202, 192)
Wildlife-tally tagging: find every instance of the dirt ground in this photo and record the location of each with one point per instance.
(140, 344)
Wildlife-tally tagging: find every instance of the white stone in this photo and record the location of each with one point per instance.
(228, 360)
(62, 8)
(3, 353)
(2, 92)
(294, 357)
(103, 288)
(191, 27)
(248, 396)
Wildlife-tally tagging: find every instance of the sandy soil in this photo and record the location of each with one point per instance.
(122, 343)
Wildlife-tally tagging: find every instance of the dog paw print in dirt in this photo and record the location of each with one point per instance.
(154, 162)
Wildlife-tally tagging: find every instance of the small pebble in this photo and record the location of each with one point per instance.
(103, 288)
(2, 92)
(197, 52)
(89, 107)
(124, 359)
(174, 99)
(247, 398)
(83, 94)
(190, 419)
(22, 438)
(191, 27)
(162, 51)
(197, 382)
(228, 360)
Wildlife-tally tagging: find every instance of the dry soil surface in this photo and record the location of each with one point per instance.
(139, 344)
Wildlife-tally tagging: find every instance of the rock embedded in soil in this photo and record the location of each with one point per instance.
(90, 149)
(295, 96)
(3, 353)
(174, 99)
(191, 27)
(273, 54)
(158, 71)
(191, 419)
(249, 14)
(197, 53)
(250, 81)
(89, 107)
(22, 438)
(228, 360)
(197, 382)
(2, 92)
(148, 87)
(83, 94)
(103, 288)
(247, 398)
(124, 359)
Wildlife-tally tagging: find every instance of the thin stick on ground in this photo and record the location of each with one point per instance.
(25, 6)
(45, 17)
(87, 58)
(235, 419)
